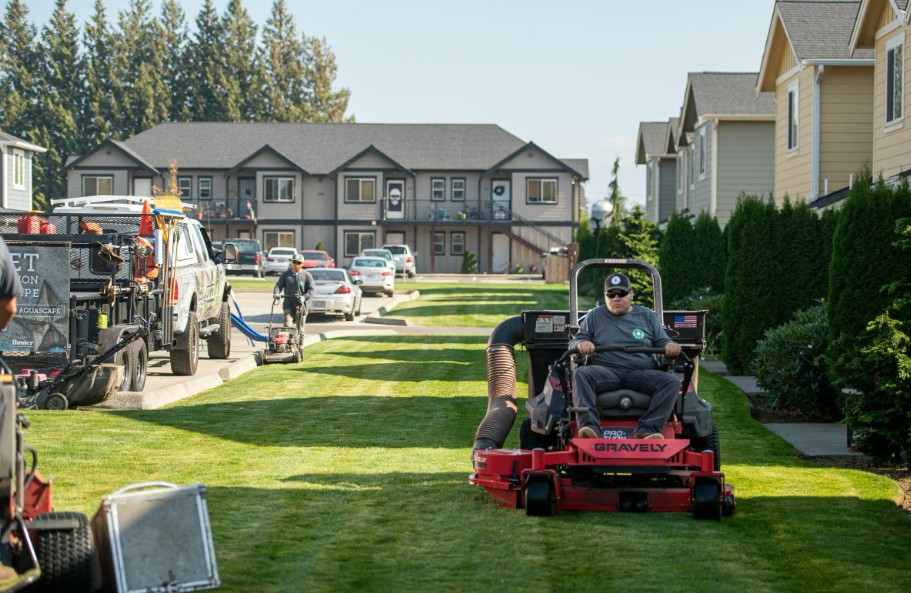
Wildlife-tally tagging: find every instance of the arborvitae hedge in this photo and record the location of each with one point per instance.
(676, 259)
(865, 258)
(709, 253)
(802, 259)
(752, 281)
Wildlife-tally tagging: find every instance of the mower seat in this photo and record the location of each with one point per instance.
(623, 402)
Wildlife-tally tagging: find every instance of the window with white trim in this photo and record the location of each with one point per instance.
(355, 242)
(360, 189)
(205, 188)
(277, 239)
(692, 160)
(541, 191)
(278, 189)
(185, 187)
(98, 185)
(895, 78)
(439, 243)
(793, 113)
(702, 151)
(458, 243)
(458, 189)
(681, 162)
(18, 169)
(438, 189)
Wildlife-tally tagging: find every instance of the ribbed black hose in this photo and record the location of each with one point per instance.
(501, 384)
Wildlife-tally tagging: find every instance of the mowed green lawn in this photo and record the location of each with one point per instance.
(349, 473)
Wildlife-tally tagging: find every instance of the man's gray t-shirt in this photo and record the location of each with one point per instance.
(294, 285)
(638, 327)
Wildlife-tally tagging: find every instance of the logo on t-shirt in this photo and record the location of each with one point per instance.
(638, 334)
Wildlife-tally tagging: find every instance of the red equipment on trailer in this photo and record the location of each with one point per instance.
(555, 469)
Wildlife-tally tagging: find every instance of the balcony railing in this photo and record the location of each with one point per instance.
(231, 209)
(444, 211)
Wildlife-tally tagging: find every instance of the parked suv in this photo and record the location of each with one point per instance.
(250, 257)
(405, 260)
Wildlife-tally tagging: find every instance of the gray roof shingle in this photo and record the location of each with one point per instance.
(671, 136)
(4, 137)
(578, 165)
(320, 148)
(653, 134)
(822, 30)
(729, 93)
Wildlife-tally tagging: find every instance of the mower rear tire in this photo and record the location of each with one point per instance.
(540, 499)
(65, 555)
(140, 365)
(708, 501)
(219, 343)
(529, 439)
(711, 443)
(185, 360)
(57, 402)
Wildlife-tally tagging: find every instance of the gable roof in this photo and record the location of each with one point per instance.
(531, 145)
(580, 165)
(863, 33)
(265, 148)
(370, 149)
(670, 140)
(651, 140)
(10, 139)
(723, 95)
(117, 145)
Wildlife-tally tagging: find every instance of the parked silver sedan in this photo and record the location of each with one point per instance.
(335, 293)
(278, 259)
(376, 274)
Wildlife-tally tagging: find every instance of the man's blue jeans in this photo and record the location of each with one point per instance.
(589, 380)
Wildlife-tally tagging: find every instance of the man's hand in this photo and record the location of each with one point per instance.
(672, 350)
(586, 348)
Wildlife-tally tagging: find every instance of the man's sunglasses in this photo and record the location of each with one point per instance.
(617, 294)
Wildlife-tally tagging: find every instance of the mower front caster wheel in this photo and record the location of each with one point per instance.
(708, 501)
(540, 498)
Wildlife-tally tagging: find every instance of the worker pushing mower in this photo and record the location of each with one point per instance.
(286, 343)
(611, 426)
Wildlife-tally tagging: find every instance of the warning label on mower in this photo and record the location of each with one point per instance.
(559, 323)
(544, 324)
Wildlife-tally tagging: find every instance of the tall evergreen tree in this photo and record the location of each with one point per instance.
(172, 40)
(326, 105)
(676, 259)
(709, 253)
(607, 246)
(638, 241)
(19, 72)
(206, 89)
(614, 196)
(285, 95)
(99, 117)
(241, 71)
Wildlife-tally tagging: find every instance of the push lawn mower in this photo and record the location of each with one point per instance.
(285, 343)
(555, 469)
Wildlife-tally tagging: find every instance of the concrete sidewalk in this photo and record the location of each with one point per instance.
(812, 440)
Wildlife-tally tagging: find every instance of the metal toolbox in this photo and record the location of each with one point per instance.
(155, 540)
(686, 327)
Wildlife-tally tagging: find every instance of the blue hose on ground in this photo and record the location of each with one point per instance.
(239, 322)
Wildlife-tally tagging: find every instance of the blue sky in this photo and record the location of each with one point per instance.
(575, 77)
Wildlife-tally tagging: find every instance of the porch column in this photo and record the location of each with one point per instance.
(433, 251)
(489, 248)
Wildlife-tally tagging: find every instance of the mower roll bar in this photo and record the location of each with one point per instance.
(634, 264)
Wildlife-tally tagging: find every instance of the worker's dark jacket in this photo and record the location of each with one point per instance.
(294, 286)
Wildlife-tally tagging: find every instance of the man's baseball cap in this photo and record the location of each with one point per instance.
(617, 282)
(297, 258)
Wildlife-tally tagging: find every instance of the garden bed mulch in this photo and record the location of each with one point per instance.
(902, 475)
(763, 413)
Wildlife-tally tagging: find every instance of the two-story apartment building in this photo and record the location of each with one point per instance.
(656, 149)
(16, 172)
(882, 29)
(725, 143)
(442, 189)
(824, 97)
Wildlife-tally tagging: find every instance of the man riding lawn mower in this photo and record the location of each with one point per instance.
(286, 343)
(611, 426)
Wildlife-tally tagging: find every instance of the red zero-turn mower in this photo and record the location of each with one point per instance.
(552, 468)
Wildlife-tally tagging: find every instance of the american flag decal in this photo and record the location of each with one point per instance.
(684, 322)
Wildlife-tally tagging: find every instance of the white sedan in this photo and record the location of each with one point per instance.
(278, 259)
(335, 293)
(376, 275)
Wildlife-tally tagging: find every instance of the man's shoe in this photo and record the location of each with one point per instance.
(588, 433)
(645, 434)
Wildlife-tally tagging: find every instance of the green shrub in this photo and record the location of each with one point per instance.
(676, 258)
(705, 299)
(519, 270)
(319, 245)
(469, 263)
(790, 364)
(709, 253)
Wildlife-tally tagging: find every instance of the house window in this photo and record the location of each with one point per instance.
(97, 185)
(439, 243)
(692, 161)
(793, 107)
(681, 161)
(278, 239)
(458, 189)
(458, 243)
(360, 189)
(18, 169)
(895, 50)
(437, 189)
(205, 188)
(702, 151)
(542, 191)
(355, 242)
(185, 187)
(648, 180)
(278, 189)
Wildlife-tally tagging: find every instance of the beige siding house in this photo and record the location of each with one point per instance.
(725, 143)
(824, 97)
(655, 148)
(882, 29)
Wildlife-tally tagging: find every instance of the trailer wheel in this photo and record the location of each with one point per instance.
(219, 343)
(128, 360)
(140, 365)
(65, 555)
(185, 360)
